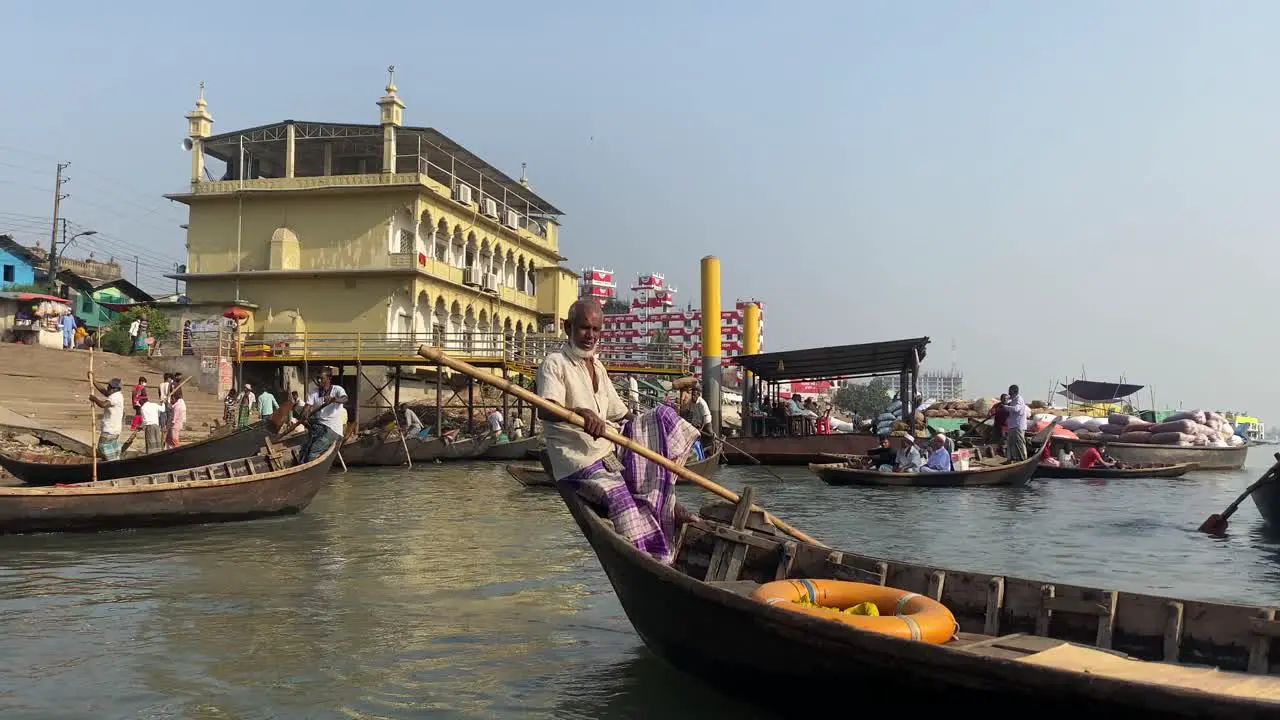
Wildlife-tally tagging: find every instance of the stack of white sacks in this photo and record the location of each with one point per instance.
(1188, 428)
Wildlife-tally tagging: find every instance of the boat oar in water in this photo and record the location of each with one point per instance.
(435, 355)
(1217, 524)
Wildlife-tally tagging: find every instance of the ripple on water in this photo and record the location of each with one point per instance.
(450, 591)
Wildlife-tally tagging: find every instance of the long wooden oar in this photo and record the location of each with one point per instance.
(437, 356)
(1216, 524)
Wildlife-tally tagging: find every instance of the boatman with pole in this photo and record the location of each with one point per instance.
(638, 494)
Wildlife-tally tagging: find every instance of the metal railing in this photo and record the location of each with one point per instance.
(522, 352)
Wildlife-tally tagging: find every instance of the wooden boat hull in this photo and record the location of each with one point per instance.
(800, 450)
(71, 509)
(467, 448)
(513, 450)
(232, 446)
(1204, 458)
(1101, 473)
(1012, 475)
(797, 663)
(535, 476)
(1267, 499)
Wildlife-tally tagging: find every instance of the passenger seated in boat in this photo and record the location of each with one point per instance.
(939, 457)
(637, 495)
(908, 457)
(1097, 457)
(883, 455)
(1066, 458)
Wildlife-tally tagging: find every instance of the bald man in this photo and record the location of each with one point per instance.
(638, 495)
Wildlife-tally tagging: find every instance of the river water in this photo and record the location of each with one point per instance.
(451, 591)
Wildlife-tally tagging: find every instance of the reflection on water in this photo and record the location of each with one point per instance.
(450, 590)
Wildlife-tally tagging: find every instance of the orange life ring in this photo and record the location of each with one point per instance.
(903, 614)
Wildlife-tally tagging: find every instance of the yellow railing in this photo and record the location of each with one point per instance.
(489, 348)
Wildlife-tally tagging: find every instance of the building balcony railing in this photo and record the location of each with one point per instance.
(522, 353)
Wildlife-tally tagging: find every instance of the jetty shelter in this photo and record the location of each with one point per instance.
(386, 232)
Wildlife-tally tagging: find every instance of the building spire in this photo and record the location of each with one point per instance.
(391, 79)
(524, 176)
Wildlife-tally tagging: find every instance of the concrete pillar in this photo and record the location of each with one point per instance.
(711, 337)
(289, 150)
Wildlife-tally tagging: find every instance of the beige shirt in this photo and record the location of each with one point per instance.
(566, 381)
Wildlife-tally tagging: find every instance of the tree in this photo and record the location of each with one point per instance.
(115, 337)
(614, 306)
(863, 400)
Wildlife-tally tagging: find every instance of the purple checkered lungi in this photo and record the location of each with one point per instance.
(640, 498)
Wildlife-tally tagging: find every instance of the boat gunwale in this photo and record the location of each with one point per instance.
(161, 454)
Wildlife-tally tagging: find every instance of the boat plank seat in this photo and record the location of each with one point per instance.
(1078, 658)
(730, 550)
(1104, 609)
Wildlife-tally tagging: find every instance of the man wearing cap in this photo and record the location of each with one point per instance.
(112, 404)
(939, 457)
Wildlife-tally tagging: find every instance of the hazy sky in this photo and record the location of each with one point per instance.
(1050, 185)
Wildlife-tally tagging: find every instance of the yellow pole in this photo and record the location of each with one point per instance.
(751, 346)
(711, 337)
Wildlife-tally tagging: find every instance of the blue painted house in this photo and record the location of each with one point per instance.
(17, 263)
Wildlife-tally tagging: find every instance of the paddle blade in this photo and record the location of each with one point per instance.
(1215, 524)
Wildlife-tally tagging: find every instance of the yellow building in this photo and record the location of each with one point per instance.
(389, 231)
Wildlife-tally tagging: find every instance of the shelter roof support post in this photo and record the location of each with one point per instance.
(915, 385)
(904, 396)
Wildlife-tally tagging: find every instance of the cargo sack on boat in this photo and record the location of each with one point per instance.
(1110, 429)
(982, 405)
(1195, 416)
(1122, 419)
(1139, 426)
(1185, 426)
(1136, 436)
(1170, 438)
(1088, 435)
(1235, 441)
(1076, 423)
(1108, 437)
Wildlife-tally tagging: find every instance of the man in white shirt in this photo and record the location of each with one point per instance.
(165, 387)
(637, 495)
(151, 425)
(1015, 439)
(112, 404)
(324, 416)
(700, 416)
(134, 328)
(495, 421)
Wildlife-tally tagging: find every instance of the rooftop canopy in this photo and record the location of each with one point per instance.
(1094, 391)
(836, 363)
(353, 146)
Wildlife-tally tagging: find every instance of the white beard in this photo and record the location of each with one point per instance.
(578, 353)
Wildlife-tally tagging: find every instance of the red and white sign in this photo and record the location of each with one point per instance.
(815, 387)
(598, 276)
(598, 292)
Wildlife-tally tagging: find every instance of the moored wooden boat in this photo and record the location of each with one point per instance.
(512, 449)
(1125, 473)
(978, 475)
(1204, 458)
(1267, 499)
(35, 469)
(1020, 643)
(467, 448)
(271, 483)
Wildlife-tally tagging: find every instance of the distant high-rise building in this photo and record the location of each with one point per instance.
(941, 385)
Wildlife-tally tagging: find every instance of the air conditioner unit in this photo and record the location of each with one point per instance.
(462, 193)
(512, 220)
(491, 208)
(472, 276)
(490, 283)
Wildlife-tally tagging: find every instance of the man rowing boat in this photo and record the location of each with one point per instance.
(638, 494)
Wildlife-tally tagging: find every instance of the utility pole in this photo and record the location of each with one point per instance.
(58, 197)
(135, 269)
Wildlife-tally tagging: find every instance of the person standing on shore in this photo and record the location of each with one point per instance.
(267, 404)
(177, 418)
(151, 431)
(112, 404)
(1015, 445)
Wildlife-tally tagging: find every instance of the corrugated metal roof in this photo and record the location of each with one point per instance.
(835, 363)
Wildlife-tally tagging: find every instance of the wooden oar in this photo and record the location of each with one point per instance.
(93, 418)
(437, 356)
(1216, 524)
